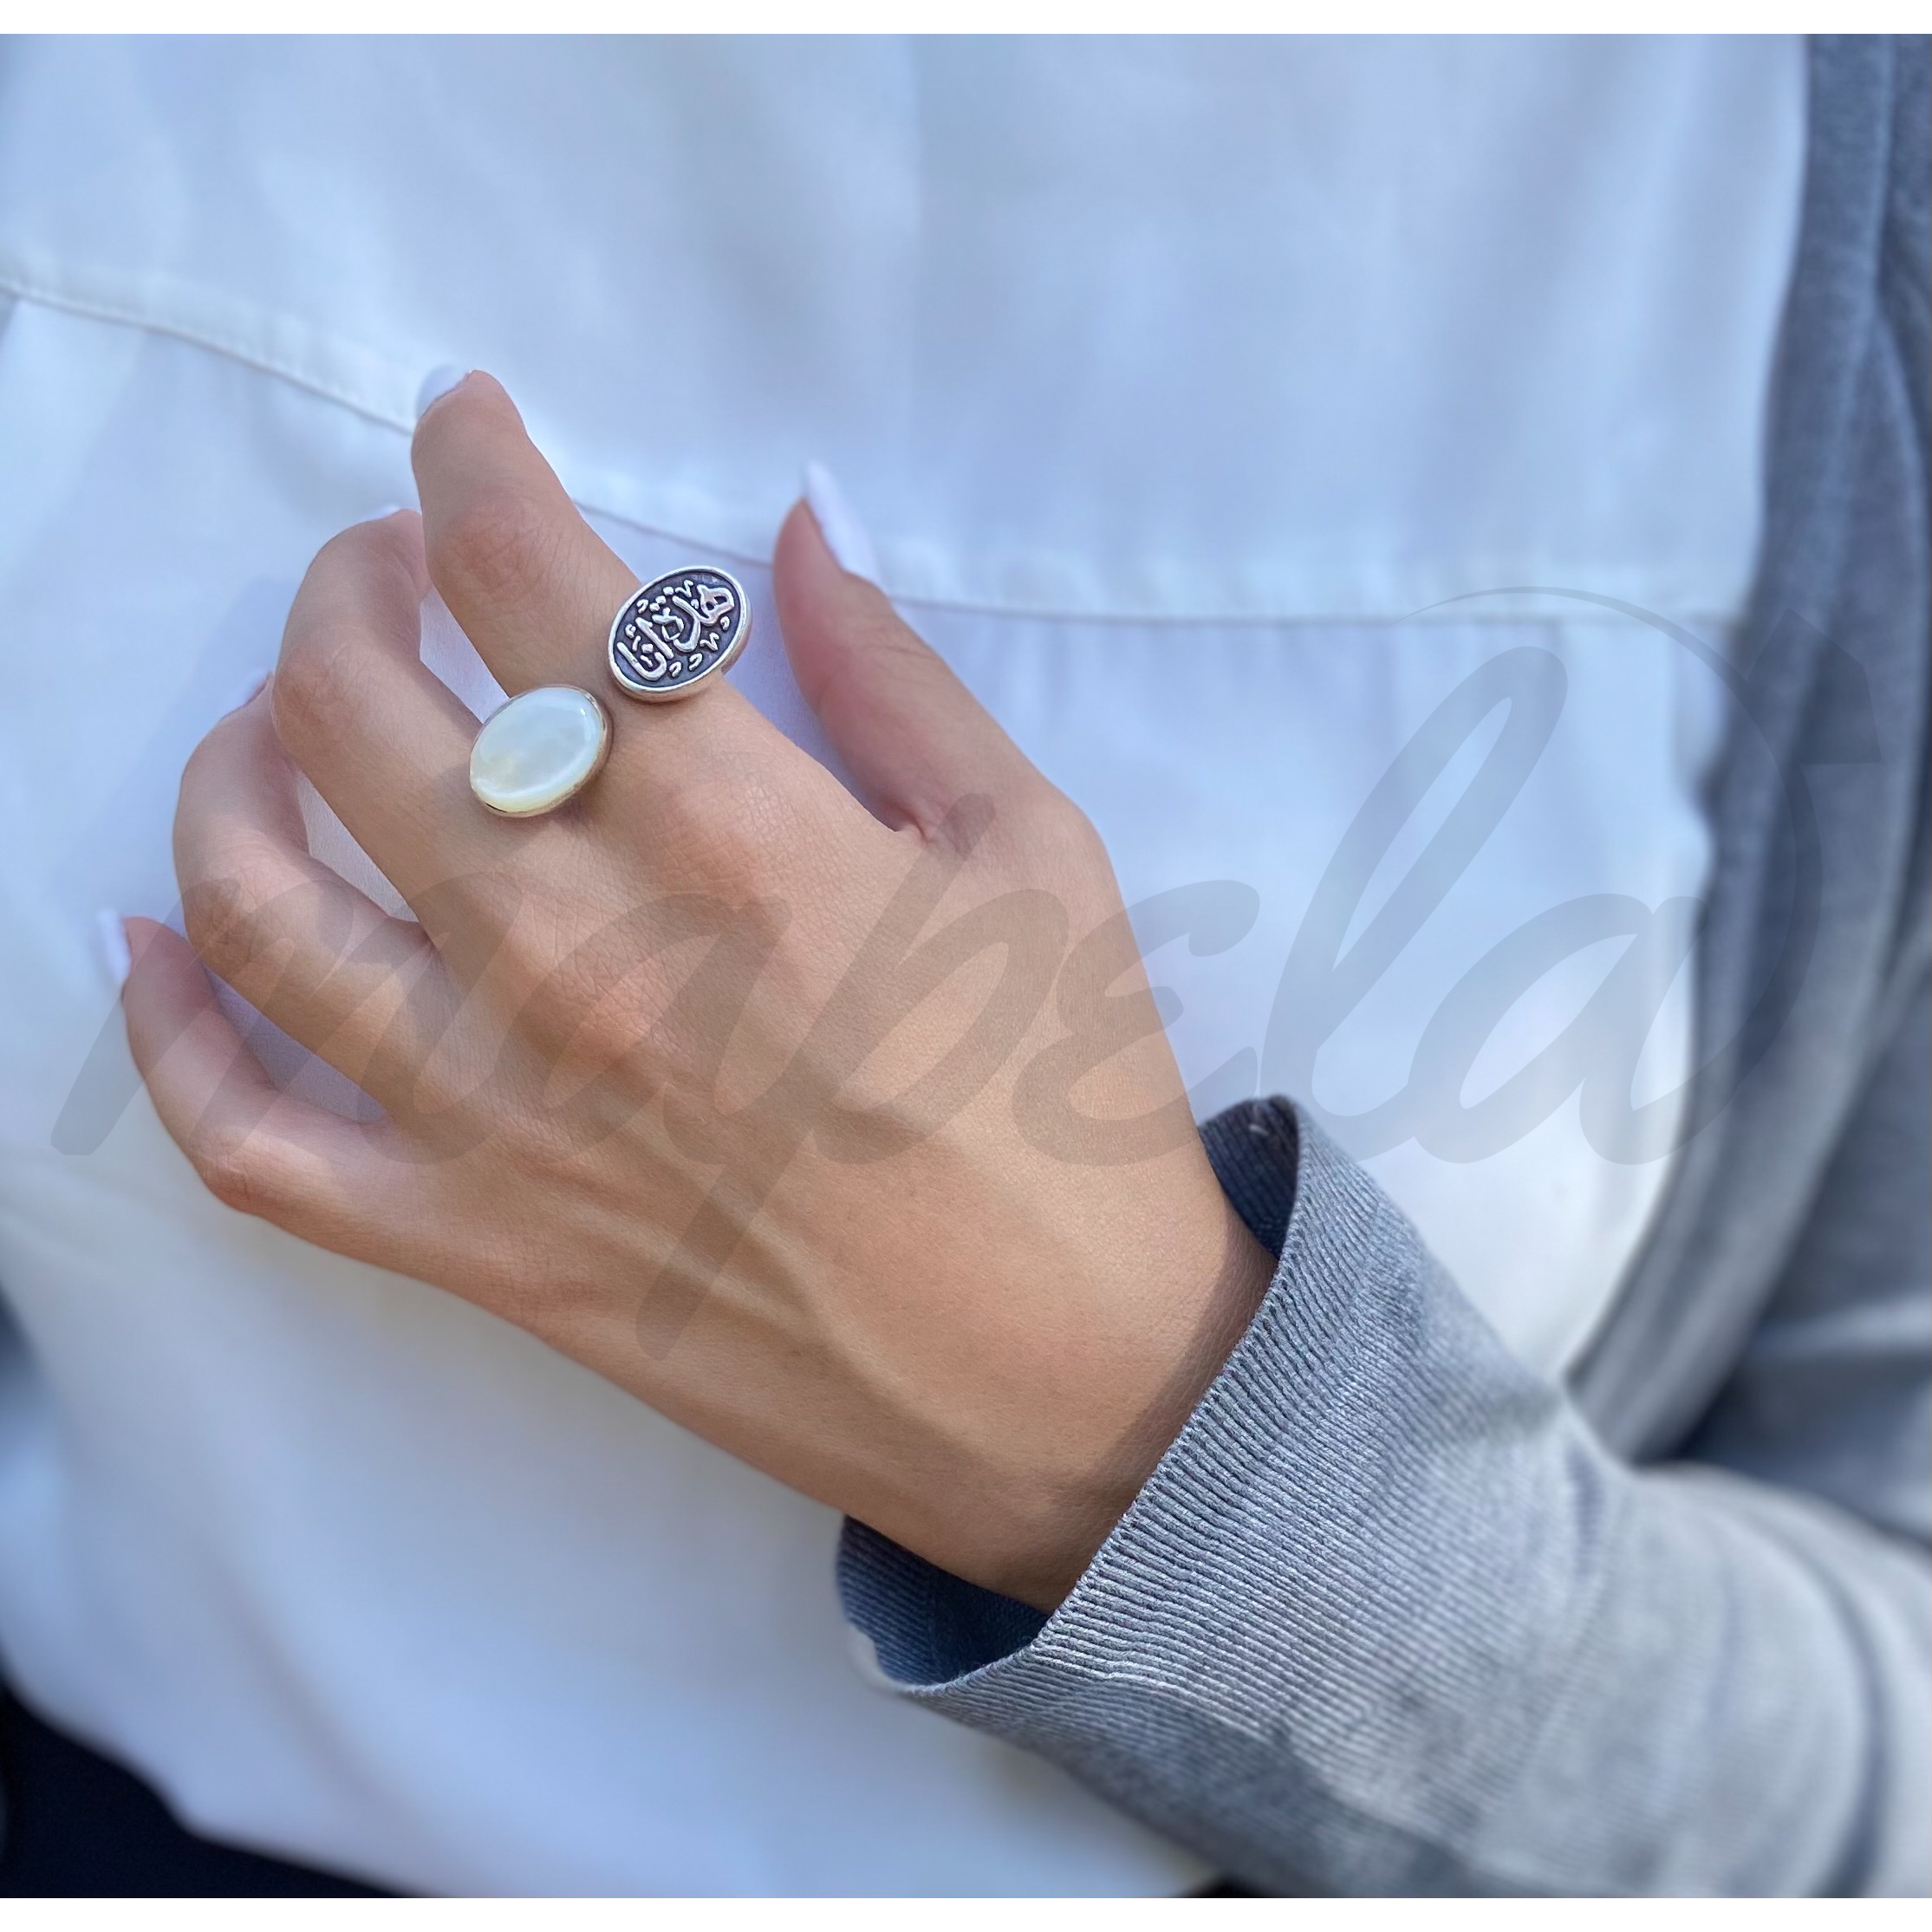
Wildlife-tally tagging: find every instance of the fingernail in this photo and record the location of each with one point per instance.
(838, 523)
(114, 955)
(438, 382)
(245, 694)
(388, 509)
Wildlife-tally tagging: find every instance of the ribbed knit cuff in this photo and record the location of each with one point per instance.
(1363, 1558)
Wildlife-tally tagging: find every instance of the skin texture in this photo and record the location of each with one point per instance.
(844, 1133)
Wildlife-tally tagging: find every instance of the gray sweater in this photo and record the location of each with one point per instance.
(1394, 1614)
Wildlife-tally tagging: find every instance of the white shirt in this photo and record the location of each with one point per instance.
(1236, 357)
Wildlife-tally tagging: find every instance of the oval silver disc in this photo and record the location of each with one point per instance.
(679, 630)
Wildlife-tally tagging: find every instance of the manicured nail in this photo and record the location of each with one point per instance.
(438, 382)
(838, 523)
(114, 955)
(245, 694)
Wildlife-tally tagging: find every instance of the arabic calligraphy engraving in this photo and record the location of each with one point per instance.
(676, 629)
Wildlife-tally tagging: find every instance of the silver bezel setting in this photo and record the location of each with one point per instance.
(606, 737)
(637, 635)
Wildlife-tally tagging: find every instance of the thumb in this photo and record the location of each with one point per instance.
(913, 736)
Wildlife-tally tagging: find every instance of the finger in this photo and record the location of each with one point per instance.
(329, 1181)
(382, 738)
(536, 589)
(363, 991)
(914, 737)
(533, 586)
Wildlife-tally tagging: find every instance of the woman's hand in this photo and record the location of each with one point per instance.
(850, 1141)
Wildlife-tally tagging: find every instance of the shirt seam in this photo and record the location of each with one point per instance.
(23, 288)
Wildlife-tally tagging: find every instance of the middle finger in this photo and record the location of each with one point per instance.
(534, 588)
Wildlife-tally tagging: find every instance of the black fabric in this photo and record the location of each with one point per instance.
(1254, 1149)
(78, 1826)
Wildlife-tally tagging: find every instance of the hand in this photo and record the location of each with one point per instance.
(850, 1141)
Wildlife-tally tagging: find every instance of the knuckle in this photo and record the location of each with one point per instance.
(352, 554)
(496, 546)
(721, 846)
(726, 827)
(235, 1168)
(237, 917)
(218, 919)
(375, 563)
(1052, 826)
(313, 693)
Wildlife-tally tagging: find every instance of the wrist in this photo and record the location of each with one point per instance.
(1118, 1411)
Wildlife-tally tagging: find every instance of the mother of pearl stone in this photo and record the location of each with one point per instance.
(543, 747)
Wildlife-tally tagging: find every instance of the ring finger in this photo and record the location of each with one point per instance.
(360, 989)
(383, 740)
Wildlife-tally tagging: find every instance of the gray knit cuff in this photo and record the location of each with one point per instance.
(1347, 1592)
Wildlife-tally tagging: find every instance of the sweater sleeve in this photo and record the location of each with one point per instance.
(1389, 1618)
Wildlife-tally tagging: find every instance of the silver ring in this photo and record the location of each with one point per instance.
(539, 751)
(677, 633)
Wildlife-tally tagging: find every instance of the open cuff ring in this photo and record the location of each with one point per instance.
(541, 749)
